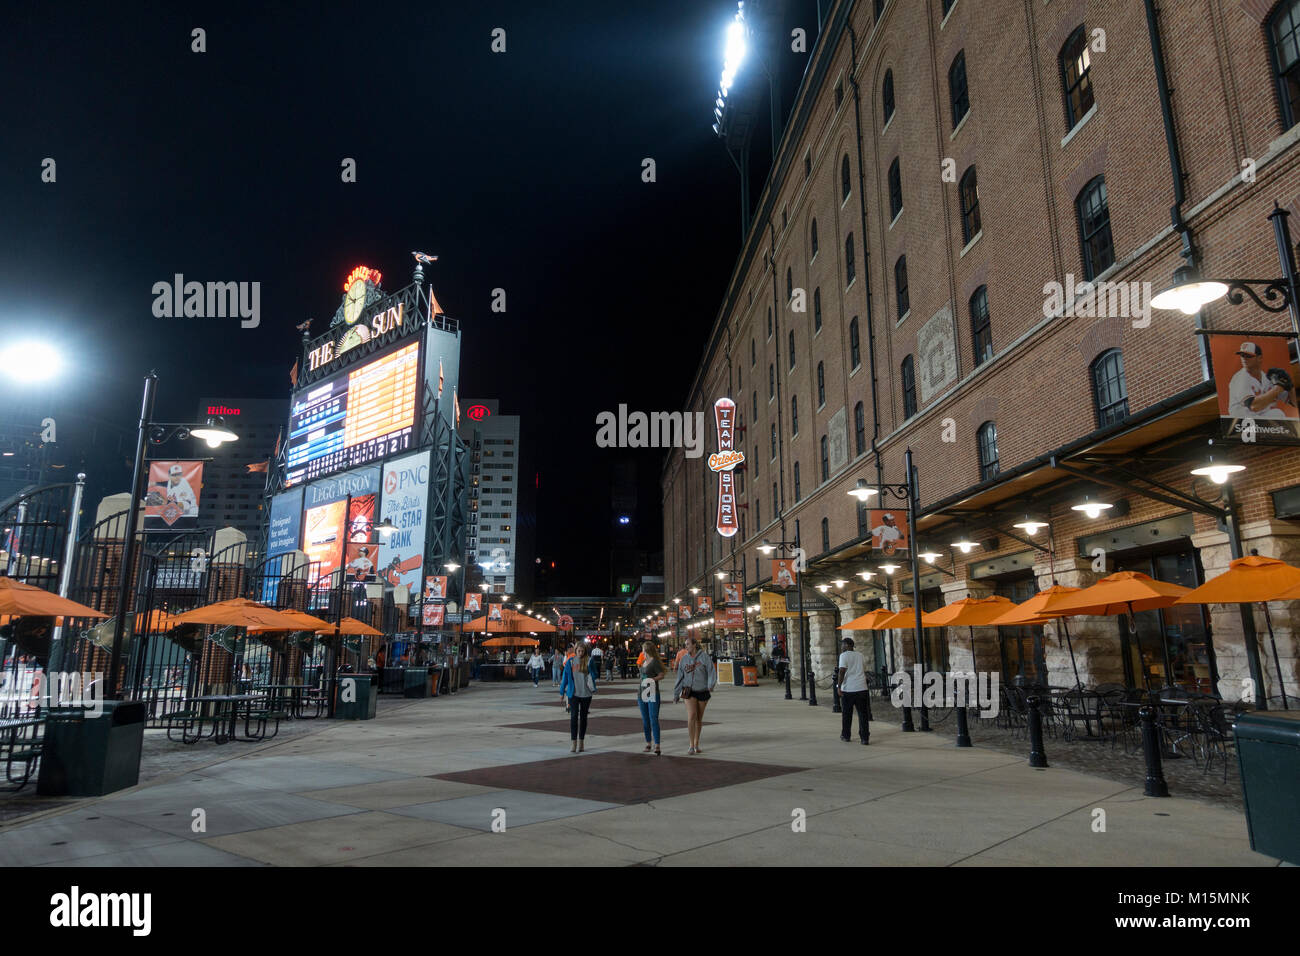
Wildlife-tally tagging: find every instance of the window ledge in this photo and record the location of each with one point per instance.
(965, 116)
(902, 318)
(895, 219)
(947, 16)
(889, 122)
(966, 248)
(850, 285)
(1083, 121)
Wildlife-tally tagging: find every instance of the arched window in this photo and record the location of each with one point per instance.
(791, 349)
(769, 321)
(981, 333)
(855, 350)
(774, 441)
(794, 414)
(755, 418)
(850, 266)
(812, 239)
(880, 8)
(1076, 86)
(826, 535)
(826, 461)
(987, 437)
(970, 206)
(958, 94)
(817, 310)
(846, 182)
(771, 381)
(859, 429)
(900, 287)
(908, 375)
(821, 384)
(789, 284)
(1109, 391)
(1094, 229)
(776, 501)
(887, 95)
(798, 493)
(753, 353)
(895, 189)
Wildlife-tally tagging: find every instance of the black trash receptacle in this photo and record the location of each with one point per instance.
(1268, 749)
(738, 670)
(417, 682)
(88, 756)
(355, 697)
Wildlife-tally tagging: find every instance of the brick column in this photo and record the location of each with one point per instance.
(1097, 650)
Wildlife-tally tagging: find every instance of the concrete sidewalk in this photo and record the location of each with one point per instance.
(426, 782)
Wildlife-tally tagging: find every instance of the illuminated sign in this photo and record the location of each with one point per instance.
(222, 410)
(362, 274)
(380, 323)
(323, 539)
(476, 413)
(724, 413)
(355, 416)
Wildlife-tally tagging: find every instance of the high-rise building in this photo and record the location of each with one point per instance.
(232, 496)
(498, 538)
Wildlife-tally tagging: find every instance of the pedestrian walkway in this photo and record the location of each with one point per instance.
(431, 782)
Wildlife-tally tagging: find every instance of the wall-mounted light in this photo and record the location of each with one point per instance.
(861, 490)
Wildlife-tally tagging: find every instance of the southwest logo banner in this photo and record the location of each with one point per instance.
(1255, 382)
(171, 500)
(783, 573)
(724, 414)
(473, 602)
(729, 617)
(705, 605)
(434, 615)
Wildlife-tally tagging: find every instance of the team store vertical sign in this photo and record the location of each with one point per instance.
(724, 463)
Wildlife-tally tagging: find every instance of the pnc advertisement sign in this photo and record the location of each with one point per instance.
(724, 463)
(404, 501)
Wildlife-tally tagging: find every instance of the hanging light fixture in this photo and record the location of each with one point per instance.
(965, 545)
(862, 491)
(889, 568)
(823, 588)
(839, 582)
(1093, 509)
(1217, 472)
(866, 575)
(1189, 293)
(767, 547)
(929, 557)
(1030, 526)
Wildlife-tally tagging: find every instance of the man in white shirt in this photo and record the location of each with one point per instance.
(853, 693)
(1251, 394)
(535, 664)
(597, 658)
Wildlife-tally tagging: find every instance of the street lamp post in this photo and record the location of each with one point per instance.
(148, 433)
(781, 547)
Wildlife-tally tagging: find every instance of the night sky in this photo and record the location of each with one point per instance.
(520, 170)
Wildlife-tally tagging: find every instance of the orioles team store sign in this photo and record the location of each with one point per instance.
(724, 463)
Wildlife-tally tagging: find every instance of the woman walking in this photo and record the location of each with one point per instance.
(652, 669)
(578, 685)
(696, 678)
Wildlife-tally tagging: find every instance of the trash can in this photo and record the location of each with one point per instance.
(355, 697)
(417, 682)
(738, 670)
(88, 756)
(1268, 749)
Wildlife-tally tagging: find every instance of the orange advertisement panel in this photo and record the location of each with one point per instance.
(1255, 381)
(361, 518)
(323, 535)
(730, 617)
(171, 498)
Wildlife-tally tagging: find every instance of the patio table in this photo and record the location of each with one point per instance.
(226, 704)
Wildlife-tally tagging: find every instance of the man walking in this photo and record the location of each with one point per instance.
(853, 693)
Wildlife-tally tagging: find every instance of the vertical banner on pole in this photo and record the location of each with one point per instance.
(724, 463)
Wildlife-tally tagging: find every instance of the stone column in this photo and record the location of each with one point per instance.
(1272, 538)
(1095, 640)
(822, 639)
(987, 654)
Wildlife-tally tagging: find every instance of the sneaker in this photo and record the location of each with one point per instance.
(844, 738)
(866, 742)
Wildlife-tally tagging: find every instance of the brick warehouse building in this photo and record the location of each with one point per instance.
(928, 324)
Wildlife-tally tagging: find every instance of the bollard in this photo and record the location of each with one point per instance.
(963, 728)
(835, 691)
(1155, 782)
(1037, 758)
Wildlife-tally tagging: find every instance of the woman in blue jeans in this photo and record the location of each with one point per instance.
(651, 668)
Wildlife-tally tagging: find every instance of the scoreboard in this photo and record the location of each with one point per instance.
(354, 417)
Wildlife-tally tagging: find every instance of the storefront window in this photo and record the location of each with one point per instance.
(1021, 648)
(1170, 646)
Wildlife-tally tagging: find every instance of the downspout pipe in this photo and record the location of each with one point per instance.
(866, 252)
(1171, 134)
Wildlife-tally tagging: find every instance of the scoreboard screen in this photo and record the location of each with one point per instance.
(354, 417)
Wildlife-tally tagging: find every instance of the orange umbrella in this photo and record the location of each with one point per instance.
(869, 621)
(350, 625)
(511, 641)
(19, 599)
(155, 622)
(512, 621)
(1040, 609)
(973, 613)
(1249, 579)
(299, 622)
(1125, 592)
(242, 612)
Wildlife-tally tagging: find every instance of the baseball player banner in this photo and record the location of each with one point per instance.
(474, 601)
(684, 612)
(705, 604)
(1256, 388)
(783, 573)
(361, 519)
(435, 587)
(362, 562)
(494, 613)
(731, 593)
(888, 531)
(171, 498)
